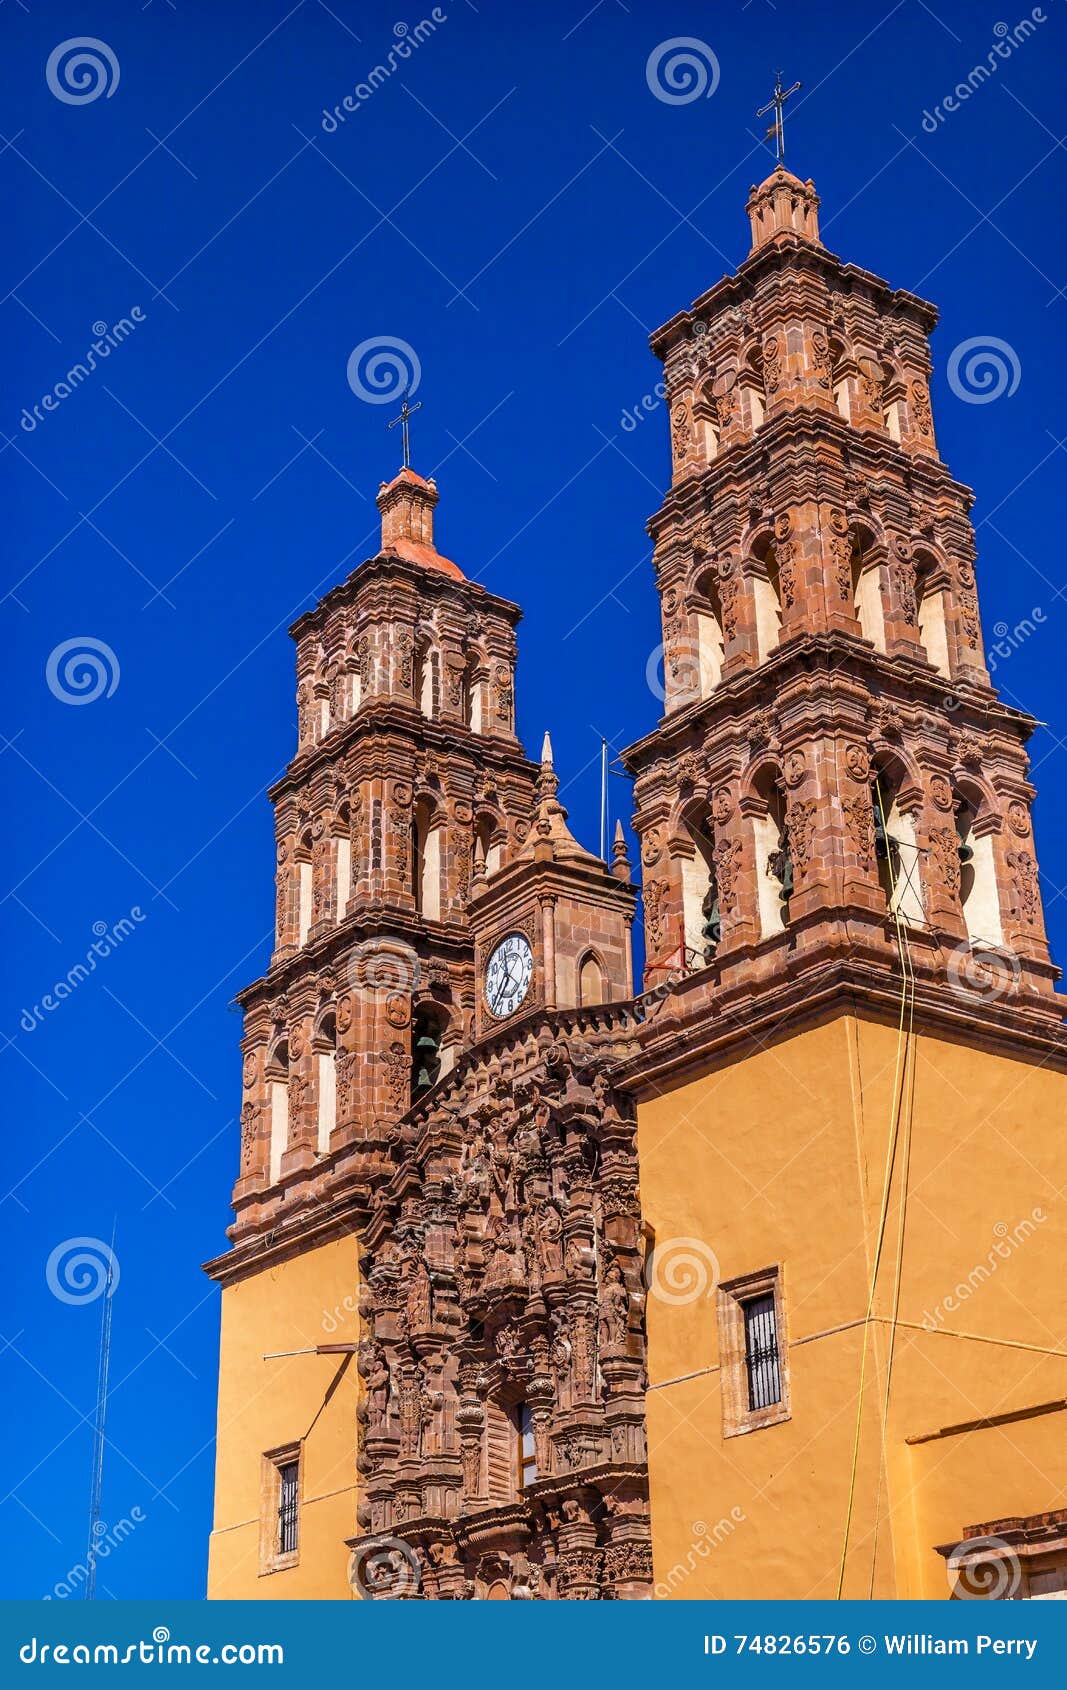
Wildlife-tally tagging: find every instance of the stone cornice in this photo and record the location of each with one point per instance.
(387, 570)
(688, 1035)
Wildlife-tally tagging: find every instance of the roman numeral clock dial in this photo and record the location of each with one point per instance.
(507, 975)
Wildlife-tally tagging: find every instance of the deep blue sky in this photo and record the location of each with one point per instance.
(518, 156)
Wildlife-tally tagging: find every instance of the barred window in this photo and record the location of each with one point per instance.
(761, 1352)
(288, 1507)
(753, 1351)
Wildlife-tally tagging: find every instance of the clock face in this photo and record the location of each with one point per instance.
(507, 976)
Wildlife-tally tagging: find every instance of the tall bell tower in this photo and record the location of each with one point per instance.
(832, 756)
(856, 1053)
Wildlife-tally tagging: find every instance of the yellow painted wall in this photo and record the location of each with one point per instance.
(264, 1405)
(780, 1159)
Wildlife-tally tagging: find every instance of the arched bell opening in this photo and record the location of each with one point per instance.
(978, 891)
(773, 853)
(277, 1075)
(429, 1028)
(701, 915)
(324, 1048)
(895, 844)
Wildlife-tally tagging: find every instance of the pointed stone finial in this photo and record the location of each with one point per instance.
(547, 780)
(620, 856)
(478, 875)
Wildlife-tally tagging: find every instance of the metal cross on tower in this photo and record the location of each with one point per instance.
(776, 103)
(406, 411)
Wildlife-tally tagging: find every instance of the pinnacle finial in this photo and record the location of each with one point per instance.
(620, 856)
(546, 752)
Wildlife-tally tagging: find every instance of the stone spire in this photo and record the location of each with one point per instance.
(620, 857)
(550, 836)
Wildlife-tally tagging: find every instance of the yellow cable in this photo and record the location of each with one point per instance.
(883, 1214)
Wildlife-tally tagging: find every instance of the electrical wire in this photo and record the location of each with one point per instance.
(905, 1026)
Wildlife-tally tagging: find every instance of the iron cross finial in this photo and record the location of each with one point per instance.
(777, 103)
(406, 411)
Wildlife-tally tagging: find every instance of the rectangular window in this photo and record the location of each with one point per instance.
(526, 1446)
(761, 1352)
(281, 1489)
(288, 1507)
(753, 1352)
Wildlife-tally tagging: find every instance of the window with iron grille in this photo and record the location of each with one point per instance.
(753, 1333)
(762, 1362)
(288, 1507)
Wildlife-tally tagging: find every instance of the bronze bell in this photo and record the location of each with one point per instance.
(426, 1062)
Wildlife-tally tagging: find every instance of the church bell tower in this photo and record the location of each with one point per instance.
(856, 1052)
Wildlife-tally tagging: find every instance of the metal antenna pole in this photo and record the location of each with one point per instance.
(603, 799)
(99, 1424)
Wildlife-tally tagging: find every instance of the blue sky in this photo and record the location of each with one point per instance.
(517, 206)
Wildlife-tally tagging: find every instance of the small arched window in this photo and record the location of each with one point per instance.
(700, 892)
(896, 850)
(326, 1078)
(707, 611)
(489, 833)
(592, 982)
(866, 576)
(306, 887)
(930, 615)
(979, 897)
(425, 677)
(774, 856)
(278, 1081)
(342, 847)
(767, 594)
(426, 860)
(427, 1040)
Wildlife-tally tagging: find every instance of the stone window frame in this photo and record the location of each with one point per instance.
(731, 1297)
(271, 1559)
